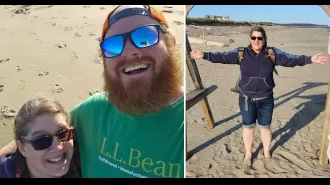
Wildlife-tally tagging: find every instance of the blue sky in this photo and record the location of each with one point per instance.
(266, 13)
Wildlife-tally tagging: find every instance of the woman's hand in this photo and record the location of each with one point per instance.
(196, 54)
(319, 59)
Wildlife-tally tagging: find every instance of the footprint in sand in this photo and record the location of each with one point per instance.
(91, 93)
(22, 84)
(7, 113)
(1, 88)
(33, 34)
(167, 11)
(68, 28)
(4, 60)
(76, 35)
(246, 166)
(22, 11)
(97, 59)
(52, 23)
(18, 69)
(57, 89)
(61, 45)
(248, 170)
(293, 159)
(91, 34)
(74, 55)
(45, 73)
(270, 166)
(178, 22)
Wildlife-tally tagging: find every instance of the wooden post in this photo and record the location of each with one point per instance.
(326, 131)
(194, 73)
(326, 8)
(204, 42)
(329, 41)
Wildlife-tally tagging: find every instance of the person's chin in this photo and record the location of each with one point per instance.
(60, 167)
(59, 172)
(257, 48)
(137, 83)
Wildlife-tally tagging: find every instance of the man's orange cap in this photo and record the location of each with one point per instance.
(148, 10)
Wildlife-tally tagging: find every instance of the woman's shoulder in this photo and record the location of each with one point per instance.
(8, 164)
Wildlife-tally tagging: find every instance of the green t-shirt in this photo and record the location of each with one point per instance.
(113, 144)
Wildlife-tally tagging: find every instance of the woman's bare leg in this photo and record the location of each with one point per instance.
(248, 143)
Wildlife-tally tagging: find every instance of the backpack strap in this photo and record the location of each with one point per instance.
(241, 54)
(270, 54)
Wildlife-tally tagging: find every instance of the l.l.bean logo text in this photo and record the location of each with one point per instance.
(137, 160)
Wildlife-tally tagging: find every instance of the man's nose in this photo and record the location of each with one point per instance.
(130, 51)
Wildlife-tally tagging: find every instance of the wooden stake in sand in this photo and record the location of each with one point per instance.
(326, 131)
(200, 93)
(329, 42)
(326, 8)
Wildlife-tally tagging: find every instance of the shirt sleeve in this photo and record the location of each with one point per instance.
(290, 60)
(230, 57)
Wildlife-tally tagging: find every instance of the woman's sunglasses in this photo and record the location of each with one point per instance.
(259, 38)
(141, 37)
(44, 142)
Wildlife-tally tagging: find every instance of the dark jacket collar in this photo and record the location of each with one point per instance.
(249, 47)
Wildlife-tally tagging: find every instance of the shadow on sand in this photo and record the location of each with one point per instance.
(310, 111)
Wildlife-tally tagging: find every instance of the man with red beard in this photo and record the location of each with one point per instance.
(135, 128)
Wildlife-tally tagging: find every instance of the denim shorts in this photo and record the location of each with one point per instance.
(253, 110)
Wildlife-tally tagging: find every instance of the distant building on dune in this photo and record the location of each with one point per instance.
(217, 17)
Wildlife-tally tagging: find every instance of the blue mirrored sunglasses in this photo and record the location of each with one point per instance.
(141, 37)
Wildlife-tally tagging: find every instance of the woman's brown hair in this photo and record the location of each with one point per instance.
(31, 110)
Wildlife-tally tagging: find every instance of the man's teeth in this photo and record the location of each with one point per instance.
(141, 66)
(56, 159)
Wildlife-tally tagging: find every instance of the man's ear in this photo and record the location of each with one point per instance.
(21, 147)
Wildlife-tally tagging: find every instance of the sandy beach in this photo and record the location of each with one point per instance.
(300, 96)
(52, 50)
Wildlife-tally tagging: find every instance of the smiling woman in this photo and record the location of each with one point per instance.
(44, 142)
